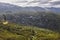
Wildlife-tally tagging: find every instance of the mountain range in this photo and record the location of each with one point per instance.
(10, 8)
(43, 17)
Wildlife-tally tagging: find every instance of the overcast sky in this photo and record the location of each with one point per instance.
(41, 3)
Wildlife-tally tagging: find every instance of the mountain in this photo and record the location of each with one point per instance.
(10, 8)
(12, 31)
(55, 10)
(41, 19)
(43, 25)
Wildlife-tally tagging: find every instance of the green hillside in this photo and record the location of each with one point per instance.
(13, 31)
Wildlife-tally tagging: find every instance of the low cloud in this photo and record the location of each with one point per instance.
(40, 3)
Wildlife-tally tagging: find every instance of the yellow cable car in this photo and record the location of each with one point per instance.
(4, 21)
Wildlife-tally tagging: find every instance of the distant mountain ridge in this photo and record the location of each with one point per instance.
(10, 8)
(40, 19)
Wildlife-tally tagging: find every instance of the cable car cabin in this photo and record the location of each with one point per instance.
(4, 21)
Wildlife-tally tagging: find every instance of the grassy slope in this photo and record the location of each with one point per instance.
(21, 32)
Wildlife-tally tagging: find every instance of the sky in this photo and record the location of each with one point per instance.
(40, 3)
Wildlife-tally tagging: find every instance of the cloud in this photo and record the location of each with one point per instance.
(40, 3)
(7, 1)
(55, 3)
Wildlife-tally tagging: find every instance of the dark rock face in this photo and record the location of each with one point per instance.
(44, 20)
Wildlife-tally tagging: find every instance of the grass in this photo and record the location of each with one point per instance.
(13, 31)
